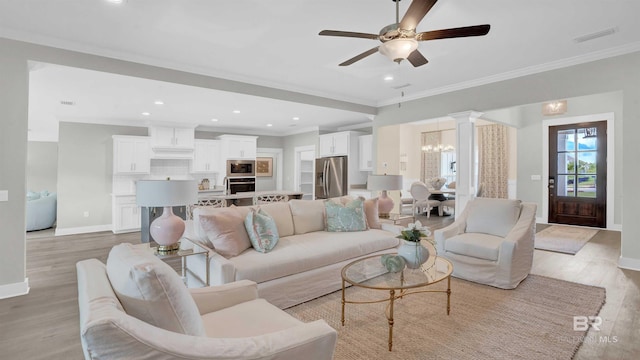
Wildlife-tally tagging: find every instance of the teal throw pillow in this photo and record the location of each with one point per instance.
(347, 217)
(262, 230)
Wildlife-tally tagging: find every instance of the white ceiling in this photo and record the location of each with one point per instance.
(276, 43)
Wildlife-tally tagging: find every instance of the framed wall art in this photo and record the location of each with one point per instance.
(264, 166)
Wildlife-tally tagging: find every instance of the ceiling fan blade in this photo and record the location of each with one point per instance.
(348, 34)
(416, 12)
(476, 30)
(417, 59)
(360, 57)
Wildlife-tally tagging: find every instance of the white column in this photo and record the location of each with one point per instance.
(465, 157)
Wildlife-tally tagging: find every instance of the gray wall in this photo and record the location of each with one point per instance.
(42, 166)
(613, 75)
(290, 143)
(530, 142)
(85, 170)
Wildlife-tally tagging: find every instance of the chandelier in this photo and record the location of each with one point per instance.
(438, 147)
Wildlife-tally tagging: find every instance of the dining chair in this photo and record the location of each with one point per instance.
(269, 198)
(420, 193)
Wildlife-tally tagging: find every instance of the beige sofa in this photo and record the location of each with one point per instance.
(307, 260)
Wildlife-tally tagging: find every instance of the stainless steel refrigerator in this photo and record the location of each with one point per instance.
(331, 177)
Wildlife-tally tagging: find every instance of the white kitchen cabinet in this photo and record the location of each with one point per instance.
(335, 144)
(238, 147)
(206, 156)
(131, 155)
(172, 138)
(365, 152)
(126, 214)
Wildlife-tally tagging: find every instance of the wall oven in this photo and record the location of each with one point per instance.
(238, 185)
(241, 168)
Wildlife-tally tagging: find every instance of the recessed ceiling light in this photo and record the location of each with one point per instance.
(159, 102)
(269, 125)
(146, 113)
(388, 78)
(236, 111)
(214, 120)
(115, 1)
(296, 118)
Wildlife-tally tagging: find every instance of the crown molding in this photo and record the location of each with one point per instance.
(576, 60)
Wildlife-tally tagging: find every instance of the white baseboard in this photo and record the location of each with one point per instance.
(15, 289)
(629, 263)
(83, 230)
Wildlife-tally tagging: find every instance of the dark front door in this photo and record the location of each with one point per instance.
(578, 174)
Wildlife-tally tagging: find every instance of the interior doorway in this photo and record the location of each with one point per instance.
(578, 176)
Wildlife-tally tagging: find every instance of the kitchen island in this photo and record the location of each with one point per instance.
(246, 198)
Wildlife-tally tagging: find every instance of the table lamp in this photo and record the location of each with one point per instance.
(167, 229)
(384, 183)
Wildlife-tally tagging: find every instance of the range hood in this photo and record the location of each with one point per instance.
(169, 153)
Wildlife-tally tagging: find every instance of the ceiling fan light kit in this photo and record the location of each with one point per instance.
(400, 40)
(398, 49)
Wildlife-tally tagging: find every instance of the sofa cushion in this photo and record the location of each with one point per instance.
(371, 212)
(225, 231)
(477, 245)
(492, 216)
(308, 215)
(347, 217)
(251, 318)
(281, 214)
(300, 253)
(152, 291)
(262, 230)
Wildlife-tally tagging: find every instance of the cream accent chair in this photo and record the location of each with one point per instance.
(491, 242)
(421, 201)
(137, 307)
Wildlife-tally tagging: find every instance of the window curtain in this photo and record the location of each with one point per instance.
(430, 166)
(493, 161)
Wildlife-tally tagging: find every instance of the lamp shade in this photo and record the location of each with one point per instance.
(398, 49)
(152, 193)
(384, 182)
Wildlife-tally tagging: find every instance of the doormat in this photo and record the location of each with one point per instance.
(563, 239)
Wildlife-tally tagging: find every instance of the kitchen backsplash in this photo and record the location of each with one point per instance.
(176, 169)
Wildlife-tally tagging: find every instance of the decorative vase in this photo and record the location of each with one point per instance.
(414, 253)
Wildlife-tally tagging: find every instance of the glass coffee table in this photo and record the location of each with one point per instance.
(370, 273)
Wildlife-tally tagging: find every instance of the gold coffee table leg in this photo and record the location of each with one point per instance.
(448, 295)
(392, 296)
(342, 317)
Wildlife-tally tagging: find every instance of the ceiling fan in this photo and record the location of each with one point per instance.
(400, 40)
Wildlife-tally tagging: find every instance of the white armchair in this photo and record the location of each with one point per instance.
(420, 194)
(137, 307)
(491, 242)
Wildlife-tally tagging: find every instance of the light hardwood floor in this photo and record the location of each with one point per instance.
(44, 324)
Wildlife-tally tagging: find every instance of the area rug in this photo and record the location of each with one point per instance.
(564, 239)
(534, 321)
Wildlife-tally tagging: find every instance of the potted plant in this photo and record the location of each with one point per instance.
(411, 249)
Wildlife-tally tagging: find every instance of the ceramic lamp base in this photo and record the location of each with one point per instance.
(385, 205)
(167, 230)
